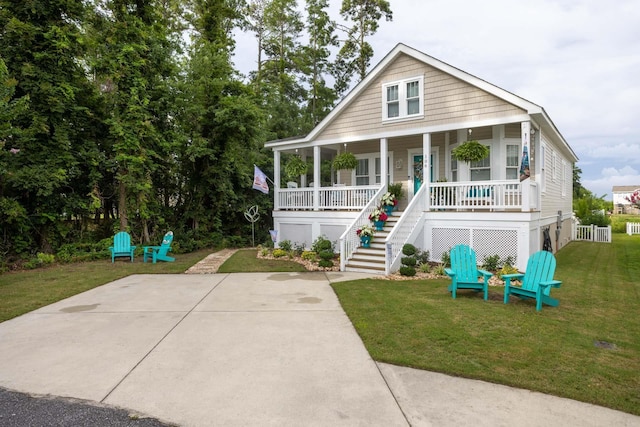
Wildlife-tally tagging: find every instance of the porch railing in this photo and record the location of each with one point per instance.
(491, 195)
(592, 233)
(349, 241)
(352, 198)
(403, 229)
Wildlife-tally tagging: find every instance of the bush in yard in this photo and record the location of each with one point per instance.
(279, 253)
(285, 245)
(506, 269)
(422, 257)
(309, 256)
(322, 244)
(408, 262)
(490, 263)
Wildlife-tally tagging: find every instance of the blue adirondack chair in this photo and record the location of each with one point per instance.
(464, 272)
(537, 280)
(121, 246)
(159, 253)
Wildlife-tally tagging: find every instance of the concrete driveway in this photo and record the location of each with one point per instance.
(247, 349)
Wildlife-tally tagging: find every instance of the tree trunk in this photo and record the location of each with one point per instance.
(122, 206)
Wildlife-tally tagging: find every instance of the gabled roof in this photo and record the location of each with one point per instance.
(534, 110)
(625, 188)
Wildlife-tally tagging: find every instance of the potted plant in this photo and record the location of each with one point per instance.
(345, 160)
(365, 233)
(378, 217)
(389, 202)
(295, 167)
(470, 151)
(396, 190)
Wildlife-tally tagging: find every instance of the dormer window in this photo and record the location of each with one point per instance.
(403, 99)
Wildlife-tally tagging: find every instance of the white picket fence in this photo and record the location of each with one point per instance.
(633, 228)
(592, 233)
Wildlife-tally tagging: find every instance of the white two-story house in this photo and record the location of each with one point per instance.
(412, 110)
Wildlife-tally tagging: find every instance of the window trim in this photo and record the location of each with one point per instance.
(403, 100)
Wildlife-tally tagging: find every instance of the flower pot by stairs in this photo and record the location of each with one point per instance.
(372, 259)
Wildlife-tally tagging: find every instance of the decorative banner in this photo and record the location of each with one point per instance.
(524, 164)
(274, 235)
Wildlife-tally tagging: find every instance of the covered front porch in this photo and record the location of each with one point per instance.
(505, 195)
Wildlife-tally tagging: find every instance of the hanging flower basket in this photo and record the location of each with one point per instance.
(344, 161)
(470, 151)
(295, 167)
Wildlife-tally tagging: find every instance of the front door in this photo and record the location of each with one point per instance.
(418, 173)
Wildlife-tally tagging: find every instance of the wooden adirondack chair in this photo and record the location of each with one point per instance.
(159, 253)
(121, 246)
(464, 272)
(537, 281)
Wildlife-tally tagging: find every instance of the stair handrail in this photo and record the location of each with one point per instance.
(349, 240)
(403, 229)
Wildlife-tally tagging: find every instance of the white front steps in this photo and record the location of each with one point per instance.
(372, 259)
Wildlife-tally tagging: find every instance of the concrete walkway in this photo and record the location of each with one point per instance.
(248, 349)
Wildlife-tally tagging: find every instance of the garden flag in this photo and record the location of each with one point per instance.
(524, 166)
(260, 180)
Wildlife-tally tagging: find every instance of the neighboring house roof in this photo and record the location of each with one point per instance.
(535, 111)
(625, 188)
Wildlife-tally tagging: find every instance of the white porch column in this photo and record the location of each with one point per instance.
(426, 169)
(384, 161)
(316, 178)
(525, 132)
(276, 179)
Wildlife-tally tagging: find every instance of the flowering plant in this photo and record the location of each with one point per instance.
(389, 199)
(634, 198)
(365, 230)
(378, 215)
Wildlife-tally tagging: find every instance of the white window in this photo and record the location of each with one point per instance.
(454, 169)
(362, 172)
(481, 170)
(554, 166)
(513, 153)
(369, 171)
(403, 99)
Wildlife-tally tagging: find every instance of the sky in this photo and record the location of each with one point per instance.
(578, 59)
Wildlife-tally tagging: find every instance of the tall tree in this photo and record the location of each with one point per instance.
(282, 90)
(222, 122)
(356, 52)
(315, 60)
(41, 44)
(133, 62)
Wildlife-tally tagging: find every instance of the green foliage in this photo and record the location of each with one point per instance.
(506, 269)
(409, 249)
(326, 263)
(396, 190)
(326, 255)
(424, 268)
(407, 271)
(490, 263)
(446, 259)
(408, 261)
(294, 167)
(279, 253)
(439, 270)
(345, 161)
(309, 256)
(298, 249)
(285, 245)
(322, 244)
(470, 151)
(422, 257)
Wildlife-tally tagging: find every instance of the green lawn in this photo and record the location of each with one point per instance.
(418, 324)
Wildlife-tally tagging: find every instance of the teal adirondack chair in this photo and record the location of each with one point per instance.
(159, 253)
(464, 272)
(537, 280)
(121, 246)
